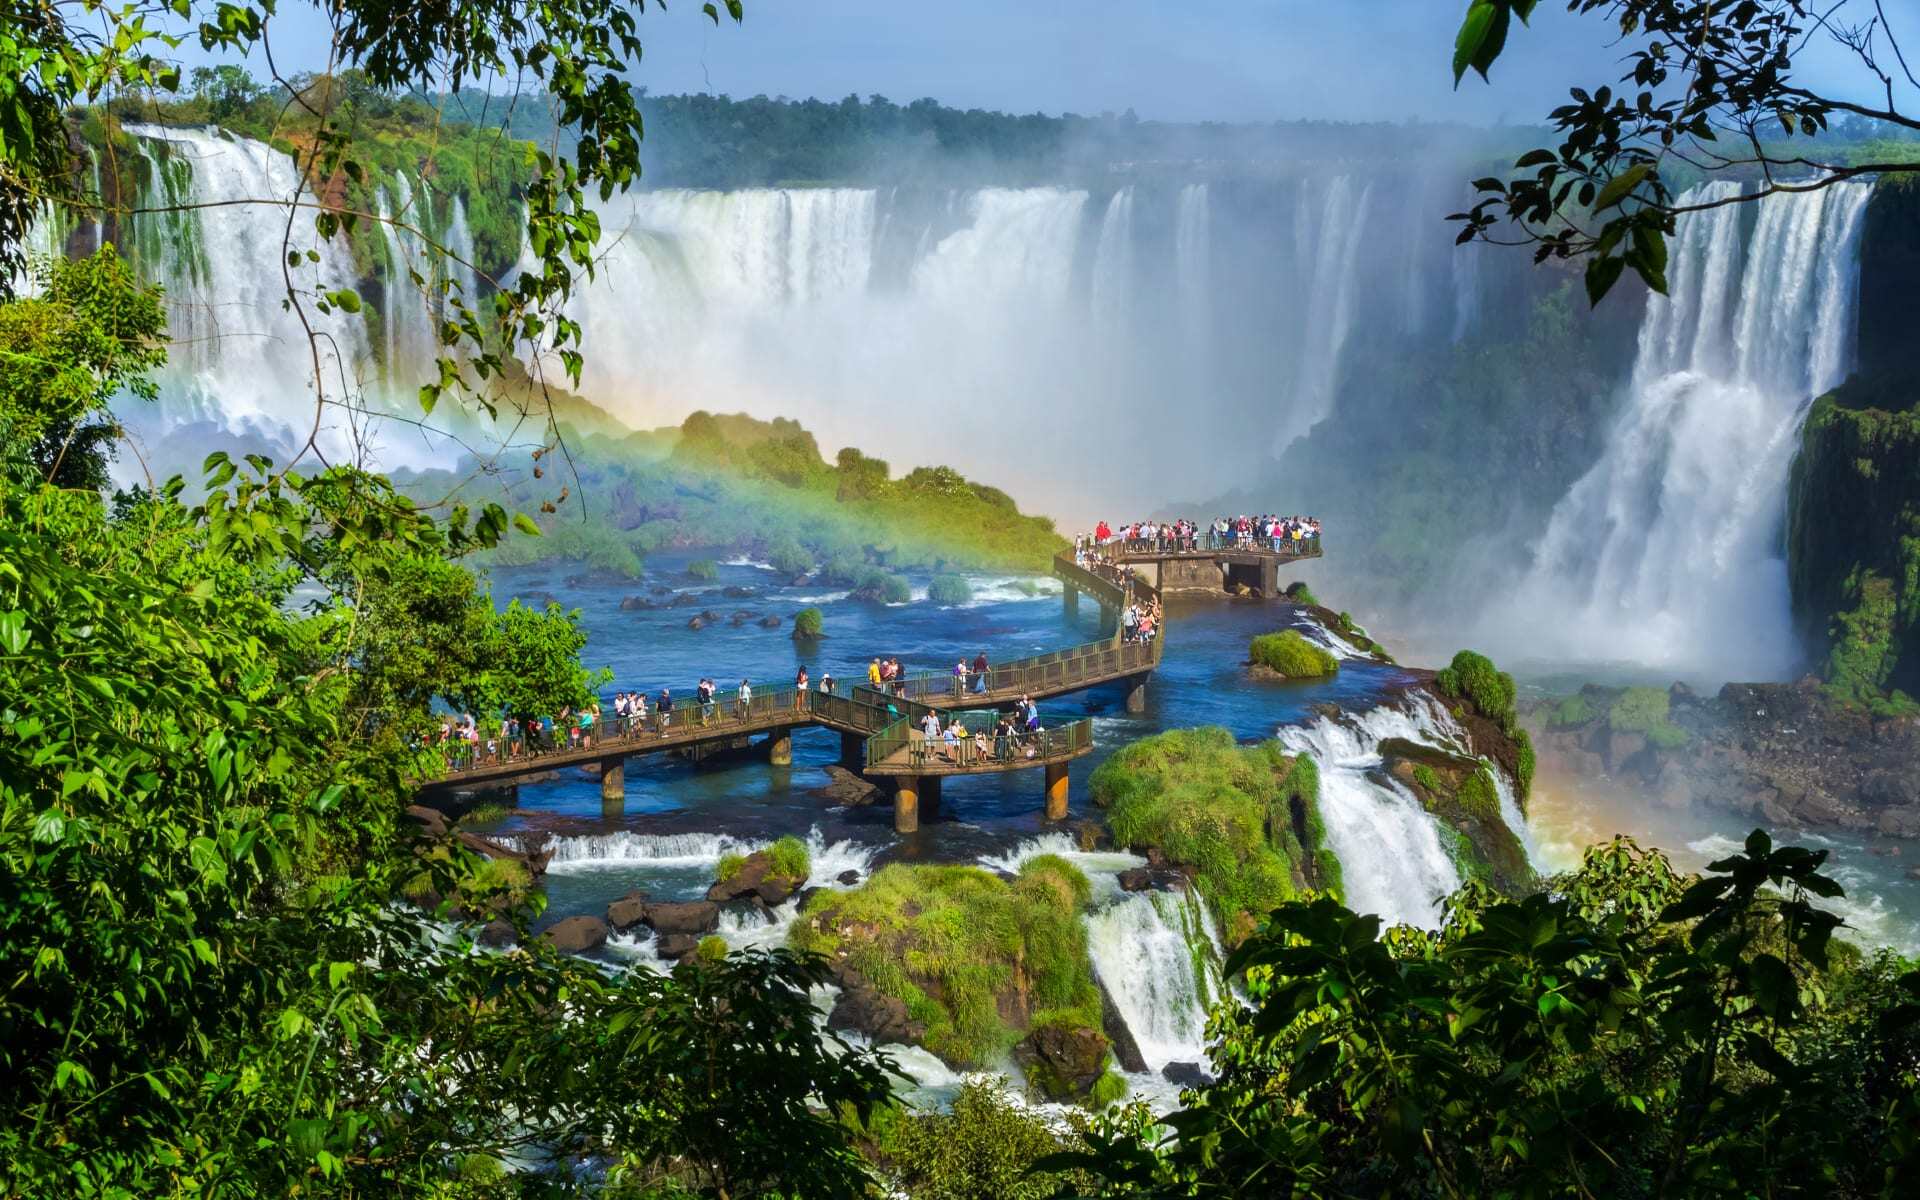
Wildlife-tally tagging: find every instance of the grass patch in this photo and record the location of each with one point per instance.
(951, 940)
(1300, 593)
(1573, 711)
(703, 569)
(1645, 710)
(808, 622)
(486, 812)
(949, 590)
(1292, 655)
(983, 1148)
(729, 866)
(790, 860)
(712, 948)
(1246, 817)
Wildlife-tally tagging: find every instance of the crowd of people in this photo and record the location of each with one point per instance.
(1015, 733)
(1140, 622)
(1267, 531)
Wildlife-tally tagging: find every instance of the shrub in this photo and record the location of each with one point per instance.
(704, 569)
(1245, 817)
(1109, 1089)
(1300, 593)
(1525, 764)
(1638, 709)
(789, 558)
(983, 1148)
(892, 588)
(808, 622)
(712, 948)
(1292, 655)
(1667, 736)
(1424, 776)
(1474, 677)
(949, 590)
(729, 866)
(789, 859)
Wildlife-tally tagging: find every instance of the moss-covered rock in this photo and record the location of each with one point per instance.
(974, 962)
(1291, 656)
(1461, 792)
(1246, 819)
(949, 590)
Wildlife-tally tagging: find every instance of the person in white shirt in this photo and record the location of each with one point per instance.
(746, 698)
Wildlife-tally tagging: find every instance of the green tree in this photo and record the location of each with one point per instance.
(1709, 87)
(92, 331)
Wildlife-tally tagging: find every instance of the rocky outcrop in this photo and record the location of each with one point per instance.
(636, 604)
(1460, 792)
(863, 1008)
(576, 935)
(755, 879)
(1062, 1062)
(535, 862)
(1778, 754)
(626, 912)
(846, 789)
(770, 622)
(1126, 1049)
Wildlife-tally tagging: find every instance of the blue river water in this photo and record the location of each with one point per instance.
(1202, 681)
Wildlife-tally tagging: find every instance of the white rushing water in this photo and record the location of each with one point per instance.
(1045, 314)
(1668, 552)
(1158, 955)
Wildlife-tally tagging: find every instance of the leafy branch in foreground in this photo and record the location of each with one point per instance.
(1710, 88)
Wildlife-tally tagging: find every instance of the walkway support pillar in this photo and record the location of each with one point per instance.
(613, 779)
(1057, 791)
(1072, 595)
(1269, 577)
(906, 804)
(1137, 693)
(853, 751)
(780, 747)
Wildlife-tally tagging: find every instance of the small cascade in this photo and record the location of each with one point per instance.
(1390, 849)
(1112, 287)
(615, 850)
(1329, 223)
(1159, 958)
(1668, 551)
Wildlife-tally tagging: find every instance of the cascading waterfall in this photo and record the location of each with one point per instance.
(1328, 227)
(1159, 958)
(1668, 551)
(1393, 859)
(1112, 286)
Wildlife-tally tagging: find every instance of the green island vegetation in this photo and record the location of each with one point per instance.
(1472, 677)
(711, 949)
(703, 569)
(723, 481)
(1299, 593)
(988, 1145)
(787, 860)
(949, 590)
(1463, 796)
(1640, 1032)
(1290, 654)
(809, 623)
(954, 943)
(1246, 818)
(1646, 711)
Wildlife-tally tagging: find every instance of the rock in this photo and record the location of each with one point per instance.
(1126, 1051)
(576, 935)
(686, 916)
(497, 934)
(1185, 1074)
(806, 894)
(626, 912)
(432, 822)
(1913, 872)
(675, 946)
(863, 1008)
(847, 789)
(735, 592)
(769, 622)
(709, 616)
(636, 603)
(686, 600)
(1900, 822)
(744, 615)
(754, 881)
(797, 581)
(849, 878)
(1062, 1062)
(696, 623)
(1136, 879)
(535, 863)
(538, 601)
(661, 589)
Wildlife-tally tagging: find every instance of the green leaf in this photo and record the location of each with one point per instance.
(1621, 186)
(1602, 274)
(1473, 34)
(525, 524)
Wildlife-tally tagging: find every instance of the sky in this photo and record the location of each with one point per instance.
(1258, 60)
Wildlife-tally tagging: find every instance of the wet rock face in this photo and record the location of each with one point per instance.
(694, 917)
(846, 789)
(1062, 1062)
(626, 912)
(636, 604)
(675, 946)
(862, 1008)
(754, 881)
(1779, 753)
(1185, 1074)
(577, 935)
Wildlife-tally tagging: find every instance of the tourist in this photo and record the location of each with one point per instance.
(929, 729)
(960, 678)
(703, 695)
(666, 709)
(745, 699)
(800, 689)
(1003, 737)
(826, 683)
(950, 740)
(873, 673)
(980, 669)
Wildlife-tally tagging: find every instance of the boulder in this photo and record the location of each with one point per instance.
(797, 581)
(696, 623)
(863, 1008)
(1901, 822)
(686, 600)
(432, 822)
(538, 601)
(1126, 1051)
(709, 616)
(687, 916)
(769, 622)
(535, 863)
(497, 934)
(661, 589)
(626, 912)
(846, 788)
(754, 881)
(806, 894)
(1136, 879)
(576, 935)
(1062, 1062)
(735, 592)
(675, 946)
(636, 603)
(1185, 1074)
(849, 878)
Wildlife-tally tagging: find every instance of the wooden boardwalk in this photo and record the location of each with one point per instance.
(880, 729)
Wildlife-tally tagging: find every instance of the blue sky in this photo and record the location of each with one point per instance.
(1249, 61)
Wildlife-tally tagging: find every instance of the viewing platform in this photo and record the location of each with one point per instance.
(1225, 565)
(879, 729)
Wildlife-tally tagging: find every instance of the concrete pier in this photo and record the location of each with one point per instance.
(908, 794)
(613, 779)
(1137, 693)
(780, 747)
(1056, 791)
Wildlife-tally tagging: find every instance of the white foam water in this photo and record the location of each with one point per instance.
(1159, 957)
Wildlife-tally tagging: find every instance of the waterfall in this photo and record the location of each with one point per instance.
(1193, 284)
(1159, 957)
(1392, 857)
(1112, 286)
(1668, 551)
(1327, 234)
